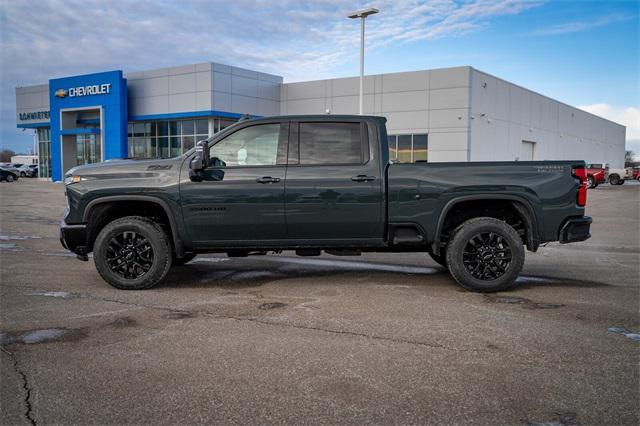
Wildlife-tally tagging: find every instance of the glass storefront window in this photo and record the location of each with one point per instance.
(163, 128)
(173, 128)
(175, 148)
(44, 152)
(404, 148)
(408, 148)
(420, 147)
(202, 127)
(187, 127)
(138, 130)
(163, 139)
(163, 147)
(393, 148)
(188, 142)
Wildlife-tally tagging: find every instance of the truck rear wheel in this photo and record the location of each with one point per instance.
(132, 253)
(485, 255)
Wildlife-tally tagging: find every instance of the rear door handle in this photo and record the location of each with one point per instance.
(267, 179)
(363, 178)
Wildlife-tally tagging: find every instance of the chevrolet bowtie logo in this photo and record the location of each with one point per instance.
(61, 93)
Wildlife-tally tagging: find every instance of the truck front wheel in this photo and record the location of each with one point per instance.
(485, 255)
(132, 253)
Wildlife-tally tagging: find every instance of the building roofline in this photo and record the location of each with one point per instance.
(547, 97)
(384, 73)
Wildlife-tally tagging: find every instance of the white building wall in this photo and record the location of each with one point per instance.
(32, 99)
(432, 101)
(203, 87)
(503, 115)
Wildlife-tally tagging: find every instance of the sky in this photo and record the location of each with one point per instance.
(584, 53)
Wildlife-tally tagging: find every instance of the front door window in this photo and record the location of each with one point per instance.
(251, 146)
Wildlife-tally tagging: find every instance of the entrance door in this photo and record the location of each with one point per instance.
(241, 198)
(527, 151)
(334, 187)
(88, 149)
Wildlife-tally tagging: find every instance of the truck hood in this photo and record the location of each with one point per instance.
(113, 168)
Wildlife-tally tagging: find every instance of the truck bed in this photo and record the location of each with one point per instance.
(420, 192)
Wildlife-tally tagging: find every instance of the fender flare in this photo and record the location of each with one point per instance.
(177, 242)
(521, 204)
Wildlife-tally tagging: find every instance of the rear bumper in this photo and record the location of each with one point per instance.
(575, 229)
(74, 238)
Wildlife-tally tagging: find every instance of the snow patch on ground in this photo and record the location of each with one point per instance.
(626, 333)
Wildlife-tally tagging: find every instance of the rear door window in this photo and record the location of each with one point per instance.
(330, 143)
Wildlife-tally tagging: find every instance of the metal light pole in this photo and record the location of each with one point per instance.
(362, 14)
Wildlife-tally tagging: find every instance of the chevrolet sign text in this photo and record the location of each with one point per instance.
(95, 89)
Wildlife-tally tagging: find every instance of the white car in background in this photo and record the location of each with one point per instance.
(618, 176)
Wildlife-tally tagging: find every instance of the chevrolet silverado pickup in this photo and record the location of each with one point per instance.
(318, 183)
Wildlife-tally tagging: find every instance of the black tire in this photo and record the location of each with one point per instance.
(132, 253)
(440, 259)
(186, 258)
(621, 182)
(591, 182)
(22, 174)
(495, 265)
(614, 180)
(10, 178)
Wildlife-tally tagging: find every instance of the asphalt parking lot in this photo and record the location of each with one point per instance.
(282, 339)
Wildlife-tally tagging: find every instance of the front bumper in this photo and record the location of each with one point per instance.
(575, 229)
(74, 237)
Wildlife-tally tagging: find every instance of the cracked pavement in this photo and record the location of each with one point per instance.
(281, 339)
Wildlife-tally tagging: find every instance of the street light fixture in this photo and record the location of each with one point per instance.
(362, 14)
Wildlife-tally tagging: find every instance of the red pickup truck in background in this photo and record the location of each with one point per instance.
(596, 174)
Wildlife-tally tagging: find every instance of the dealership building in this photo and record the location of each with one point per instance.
(451, 114)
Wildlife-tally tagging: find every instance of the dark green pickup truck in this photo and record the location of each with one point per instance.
(314, 183)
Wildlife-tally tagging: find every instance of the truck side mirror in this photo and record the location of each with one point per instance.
(199, 162)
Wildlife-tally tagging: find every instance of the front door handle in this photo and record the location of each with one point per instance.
(267, 179)
(363, 178)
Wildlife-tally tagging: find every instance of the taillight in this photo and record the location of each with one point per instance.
(581, 173)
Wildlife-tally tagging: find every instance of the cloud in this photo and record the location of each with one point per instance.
(298, 40)
(581, 26)
(627, 116)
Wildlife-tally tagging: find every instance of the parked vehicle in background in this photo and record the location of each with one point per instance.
(618, 176)
(7, 175)
(25, 170)
(635, 175)
(318, 183)
(597, 173)
(10, 167)
(34, 170)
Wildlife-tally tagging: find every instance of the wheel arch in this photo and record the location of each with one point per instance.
(106, 202)
(520, 204)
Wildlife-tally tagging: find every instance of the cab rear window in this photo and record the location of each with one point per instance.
(330, 143)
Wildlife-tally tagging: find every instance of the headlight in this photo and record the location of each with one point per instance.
(68, 180)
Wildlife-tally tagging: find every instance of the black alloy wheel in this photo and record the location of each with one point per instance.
(132, 253)
(129, 255)
(487, 256)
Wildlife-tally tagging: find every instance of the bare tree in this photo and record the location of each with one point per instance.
(5, 155)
